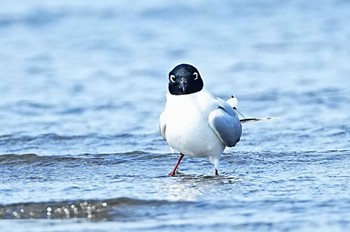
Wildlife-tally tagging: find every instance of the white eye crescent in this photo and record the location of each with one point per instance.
(172, 78)
(195, 74)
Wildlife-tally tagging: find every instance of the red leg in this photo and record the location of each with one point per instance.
(172, 173)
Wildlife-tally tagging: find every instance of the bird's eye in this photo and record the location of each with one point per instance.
(172, 78)
(195, 74)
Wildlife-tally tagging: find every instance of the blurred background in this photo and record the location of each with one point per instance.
(77, 67)
(88, 79)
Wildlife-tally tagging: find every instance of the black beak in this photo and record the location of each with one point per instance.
(183, 85)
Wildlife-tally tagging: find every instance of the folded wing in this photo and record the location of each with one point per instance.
(245, 120)
(225, 123)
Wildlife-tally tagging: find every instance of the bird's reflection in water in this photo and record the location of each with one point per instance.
(187, 187)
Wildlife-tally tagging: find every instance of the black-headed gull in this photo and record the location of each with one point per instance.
(194, 122)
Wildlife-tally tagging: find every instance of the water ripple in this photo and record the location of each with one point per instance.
(123, 209)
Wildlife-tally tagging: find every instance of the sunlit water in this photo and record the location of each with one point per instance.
(82, 85)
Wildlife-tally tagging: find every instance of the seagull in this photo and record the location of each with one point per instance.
(196, 123)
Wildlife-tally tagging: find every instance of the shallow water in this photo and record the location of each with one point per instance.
(82, 85)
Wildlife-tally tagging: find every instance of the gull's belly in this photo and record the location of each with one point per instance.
(190, 134)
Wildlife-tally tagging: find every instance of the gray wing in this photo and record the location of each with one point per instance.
(225, 123)
(162, 125)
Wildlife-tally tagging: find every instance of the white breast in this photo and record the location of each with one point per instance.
(187, 128)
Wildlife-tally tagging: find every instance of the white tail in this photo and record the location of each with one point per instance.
(233, 102)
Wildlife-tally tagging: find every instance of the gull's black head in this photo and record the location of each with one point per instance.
(185, 79)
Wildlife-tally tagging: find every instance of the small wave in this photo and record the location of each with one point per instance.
(39, 139)
(57, 144)
(63, 160)
(117, 208)
(14, 158)
(8, 159)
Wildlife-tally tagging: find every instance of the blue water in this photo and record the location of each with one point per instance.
(82, 85)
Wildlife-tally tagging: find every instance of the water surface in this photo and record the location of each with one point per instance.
(83, 83)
